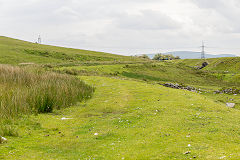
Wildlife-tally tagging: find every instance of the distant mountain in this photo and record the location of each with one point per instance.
(193, 55)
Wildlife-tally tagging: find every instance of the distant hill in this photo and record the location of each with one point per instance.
(193, 55)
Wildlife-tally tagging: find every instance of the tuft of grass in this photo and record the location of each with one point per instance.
(24, 91)
(8, 130)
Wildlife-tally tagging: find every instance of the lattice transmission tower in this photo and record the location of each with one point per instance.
(203, 51)
(39, 39)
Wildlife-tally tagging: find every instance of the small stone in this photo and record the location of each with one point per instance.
(64, 118)
(189, 145)
(222, 157)
(3, 140)
(188, 152)
(95, 134)
(47, 135)
(230, 105)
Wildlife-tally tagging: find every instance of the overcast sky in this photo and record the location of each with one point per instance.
(126, 27)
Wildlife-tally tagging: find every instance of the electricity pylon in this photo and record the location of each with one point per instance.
(39, 39)
(203, 51)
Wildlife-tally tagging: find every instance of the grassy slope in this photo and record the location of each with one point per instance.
(231, 64)
(14, 51)
(159, 72)
(139, 121)
(227, 69)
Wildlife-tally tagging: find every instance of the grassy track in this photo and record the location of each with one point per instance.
(134, 120)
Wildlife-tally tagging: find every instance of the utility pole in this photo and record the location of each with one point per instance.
(203, 51)
(39, 39)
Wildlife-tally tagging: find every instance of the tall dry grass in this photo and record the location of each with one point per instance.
(24, 91)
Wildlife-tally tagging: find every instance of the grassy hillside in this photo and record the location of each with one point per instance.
(129, 116)
(158, 72)
(229, 64)
(14, 51)
(227, 69)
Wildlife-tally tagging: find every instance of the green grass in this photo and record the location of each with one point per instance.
(134, 120)
(158, 72)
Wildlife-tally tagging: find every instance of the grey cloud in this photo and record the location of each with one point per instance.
(228, 13)
(147, 20)
(209, 3)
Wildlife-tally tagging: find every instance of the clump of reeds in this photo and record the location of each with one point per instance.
(24, 91)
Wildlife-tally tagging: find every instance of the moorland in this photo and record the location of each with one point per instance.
(64, 103)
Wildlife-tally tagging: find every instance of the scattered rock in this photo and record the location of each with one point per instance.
(177, 86)
(3, 140)
(188, 152)
(230, 105)
(95, 134)
(233, 91)
(222, 157)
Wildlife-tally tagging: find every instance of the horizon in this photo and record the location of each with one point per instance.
(126, 27)
(149, 53)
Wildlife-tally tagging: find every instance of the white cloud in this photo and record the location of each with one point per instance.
(125, 26)
(146, 20)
